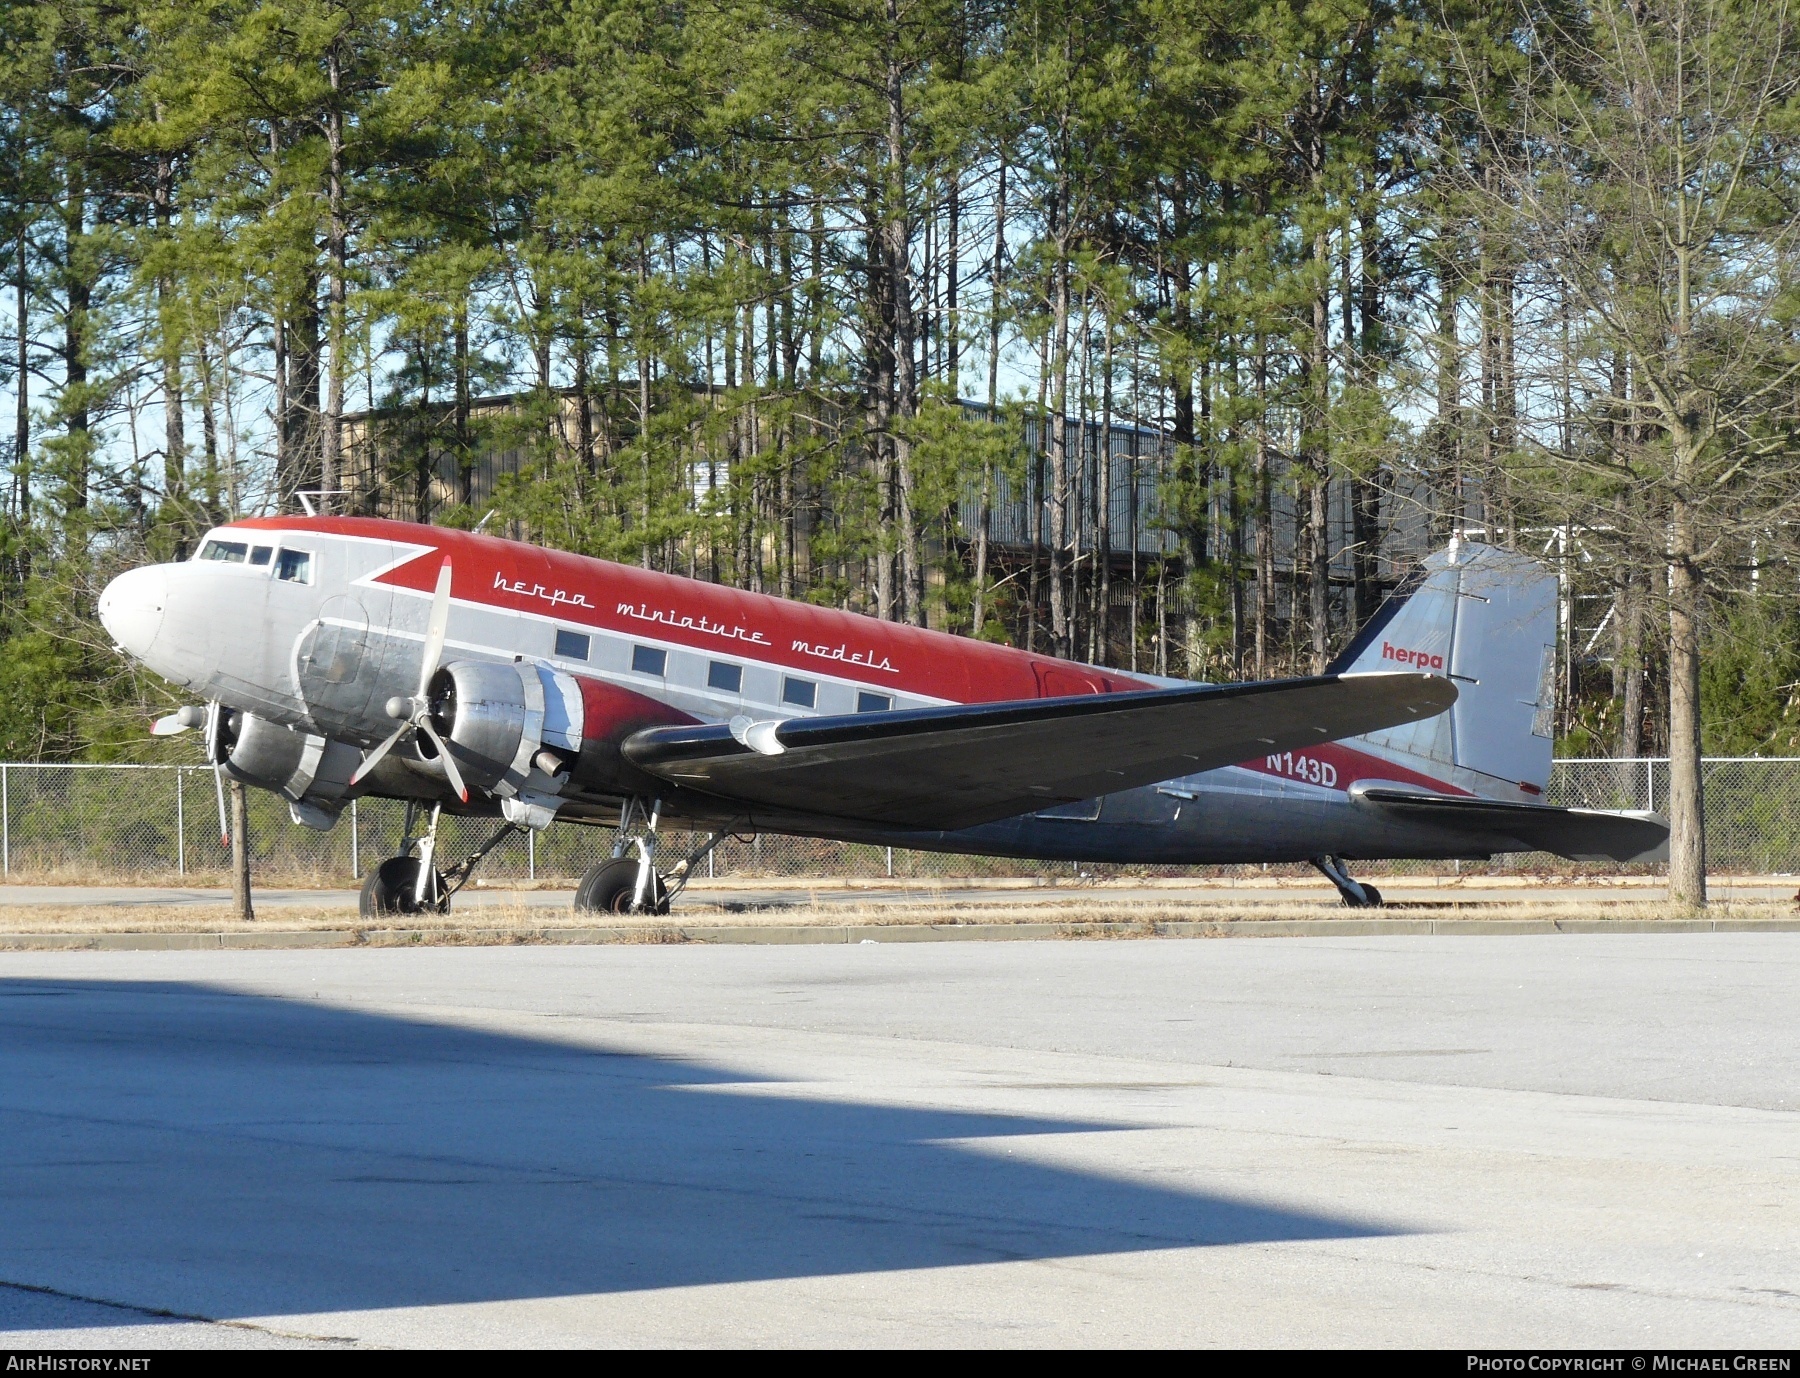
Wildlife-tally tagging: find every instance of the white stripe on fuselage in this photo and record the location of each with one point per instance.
(696, 697)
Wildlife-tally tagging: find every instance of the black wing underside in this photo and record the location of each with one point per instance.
(959, 766)
(1579, 834)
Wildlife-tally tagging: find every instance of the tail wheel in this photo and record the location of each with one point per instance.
(390, 887)
(608, 889)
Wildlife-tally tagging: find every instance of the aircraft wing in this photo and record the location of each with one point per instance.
(1579, 834)
(958, 766)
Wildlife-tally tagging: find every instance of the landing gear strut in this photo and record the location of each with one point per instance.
(631, 884)
(1356, 894)
(409, 884)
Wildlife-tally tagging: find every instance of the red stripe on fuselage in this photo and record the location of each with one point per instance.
(1334, 765)
(582, 591)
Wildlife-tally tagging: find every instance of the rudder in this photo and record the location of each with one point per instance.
(1486, 617)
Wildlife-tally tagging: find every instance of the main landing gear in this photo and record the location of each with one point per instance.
(1357, 894)
(625, 884)
(411, 883)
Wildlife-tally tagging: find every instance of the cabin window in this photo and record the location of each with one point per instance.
(232, 552)
(802, 693)
(867, 702)
(295, 566)
(259, 554)
(725, 677)
(648, 660)
(571, 645)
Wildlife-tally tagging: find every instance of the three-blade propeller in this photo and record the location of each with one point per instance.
(416, 711)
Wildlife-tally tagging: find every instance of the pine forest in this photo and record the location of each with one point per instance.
(1165, 334)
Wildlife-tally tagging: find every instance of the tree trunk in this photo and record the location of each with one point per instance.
(646, 360)
(79, 294)
(423, 465)
(1365, 489)
(303, 390)
(878, 337)
(584, 407)
(1103, 514)
(465, 442)
(1316, 463)
(209, 428)
(1265, 516)
(174, 404)
(331, 435)
(953, 330)
(22, 404)
(240, 853)
(1060, 630)
(979, 608)
(1630, 662)
(898, 231)
(984, 522)
(1687, 833)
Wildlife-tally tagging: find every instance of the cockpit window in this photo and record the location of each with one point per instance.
(259, 554)
(232, 552)
(295, 566)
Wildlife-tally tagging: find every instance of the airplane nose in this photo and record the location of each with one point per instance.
(131, 608)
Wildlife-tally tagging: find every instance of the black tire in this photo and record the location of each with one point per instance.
(1371, 900)
(388, 890)
(608, 888)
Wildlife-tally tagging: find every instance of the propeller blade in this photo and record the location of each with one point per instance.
(224, 823)
(374, 757)
(178, 721)
(435, 630)
(456, 780)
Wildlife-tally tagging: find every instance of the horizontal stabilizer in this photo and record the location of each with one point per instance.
(966, 764)
(1497, 826)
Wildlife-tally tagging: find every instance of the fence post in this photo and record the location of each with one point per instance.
(180, 826)
(1650, 784)
(5, 823)
(531, 854)
(890, 863)
(355, 859)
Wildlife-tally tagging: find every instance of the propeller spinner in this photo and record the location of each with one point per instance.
(415, 712)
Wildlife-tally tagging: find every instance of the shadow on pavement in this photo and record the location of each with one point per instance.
(221, 1154)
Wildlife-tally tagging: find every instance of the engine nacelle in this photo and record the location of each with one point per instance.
(528, 733)
(311, 772)
(513, 730)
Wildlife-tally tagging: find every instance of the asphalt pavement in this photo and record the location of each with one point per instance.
(1569, 1140)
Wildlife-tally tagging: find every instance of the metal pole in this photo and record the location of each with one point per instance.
(531, 854)
(890, 863)
(1650, 784)
(5, 823)
(180, 826)
(355, 858)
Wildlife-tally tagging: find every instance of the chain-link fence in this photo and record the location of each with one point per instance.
(160, 825)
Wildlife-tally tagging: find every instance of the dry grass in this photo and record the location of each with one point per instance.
(1075, 912)
(518, 922)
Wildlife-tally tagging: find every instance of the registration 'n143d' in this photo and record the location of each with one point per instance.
(1308, 768)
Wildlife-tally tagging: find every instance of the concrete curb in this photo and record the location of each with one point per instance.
(788, 934)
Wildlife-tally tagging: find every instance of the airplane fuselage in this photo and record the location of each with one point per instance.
(316, 624)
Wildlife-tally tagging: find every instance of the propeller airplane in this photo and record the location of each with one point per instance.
(344, 657)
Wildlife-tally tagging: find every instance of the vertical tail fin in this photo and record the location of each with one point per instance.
(1487, 618)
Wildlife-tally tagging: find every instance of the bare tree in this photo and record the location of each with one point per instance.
(1647, 171)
